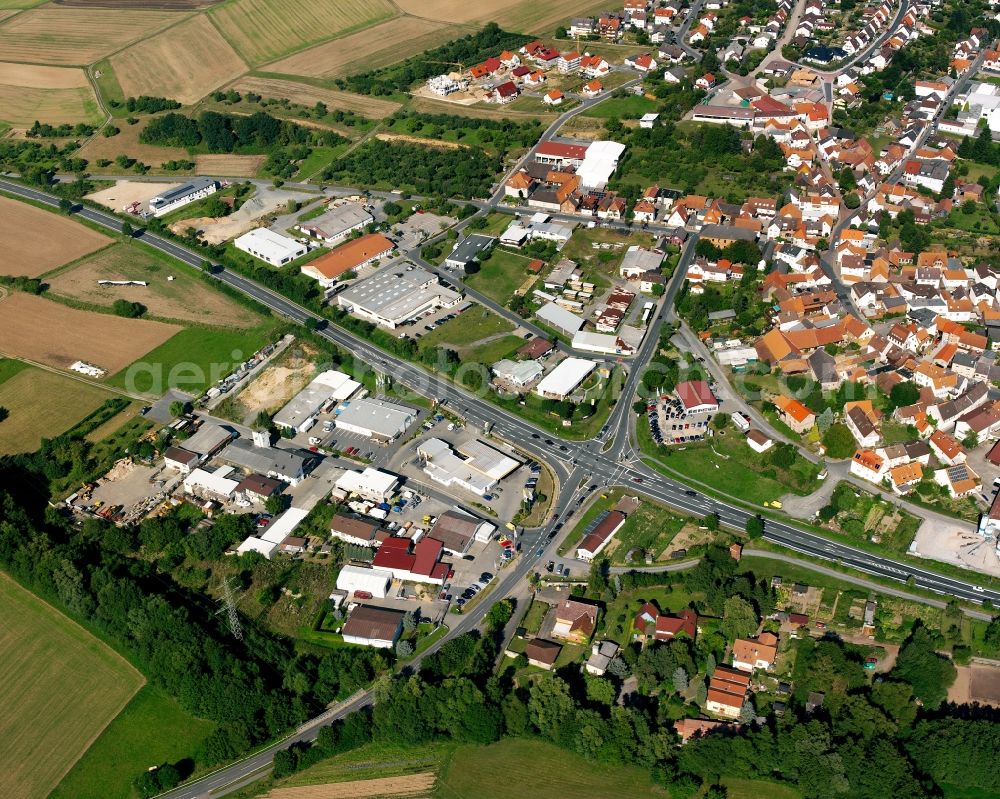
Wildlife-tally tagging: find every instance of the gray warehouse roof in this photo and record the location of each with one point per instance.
(184, 190)
(470, 248)
(379, 417)
(263, 459)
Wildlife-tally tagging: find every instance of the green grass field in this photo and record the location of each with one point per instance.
(59, 688)
(469, 327)
(630, 107)
(755, 789)
(41, 405)
(500, 275)
(551, 773)
(493, 351)
(194, 359)
(151, 730)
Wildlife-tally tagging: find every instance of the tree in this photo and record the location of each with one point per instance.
(824, 420)
(711, 522)
(904, 394)
(4, 413)
(130, 310)
(550, 705)
(499, 614)
(127, 230)
(921, 666)
(720, 421)
(747, 712)
(180, 408)
(851, 200)
(783, 456)
(680, 679)
(277, 503)
(739, 619)
(839, 442)
(755, 527)
(65, 205)
(404, 649)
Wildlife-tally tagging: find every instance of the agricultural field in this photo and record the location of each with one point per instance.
(153, 728)
(194, 358)
(553, 773)
(36, 241)
(232, 166)
(13, 6)
(542, 18)
(68, 36)
(429, 105)
(184, 63)
(304, 94)
(110, 342)
(127, 143)
(47, 94)
(185, 298)
(60, 688)
(372, 48)
(41, 405)
(263, 30)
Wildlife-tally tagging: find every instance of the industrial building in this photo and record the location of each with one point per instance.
(558, 317)
(299, 414)
(479, 471)
(371, 484)
(348, 258)
(456, 530)
(377, 419)
(413, 561)
(599, 164)
(171, 200)
(337, 223)
(211, 485)
(270, 247)
(565, 378)
(281, 464)
(371, 626)
(472, 248)
(517, 375)
(208, 439)
(361, 578)
(397, 294)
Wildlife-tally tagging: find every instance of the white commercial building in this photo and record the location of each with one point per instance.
(479, 471)
(561, 319)
(375, 419)
(299, 413)
(565, 378)
(337, 223)
(599, 164)
(216, 484)
(178, 197)
(602, 343)
(371, 484)
(270, 247)
(519, 374)
(397, 294)
(360, 578)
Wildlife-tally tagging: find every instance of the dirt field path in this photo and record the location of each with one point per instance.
(411, 785)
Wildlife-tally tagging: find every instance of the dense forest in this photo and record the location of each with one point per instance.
(227, 133)
(470, 50)
(435, 171)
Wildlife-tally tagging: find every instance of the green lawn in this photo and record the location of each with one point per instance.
(551, 772)
(152, 729)
(501, 275)
(467, 328)
(533, 619)
(10, 367)
(493, 351)
(755, 789)
(194, 358)
(632, 106)
(728, 465)
(319, 159)
(110, 89)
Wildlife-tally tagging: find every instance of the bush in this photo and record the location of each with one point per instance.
(130, 310)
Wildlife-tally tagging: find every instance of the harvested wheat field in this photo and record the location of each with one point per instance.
(230, 166)
(185, 297)
(373, 48)
(184, 63)
(47, 332)
(166, 5)
(263, 30)
(76, 35)
(410, 785)
(304, 94)
(48, 94)
(457, 10)
(43, 404)
(35, 241)
(529, 16)
(127, 143)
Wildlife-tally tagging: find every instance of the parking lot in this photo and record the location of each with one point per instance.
(669, 423)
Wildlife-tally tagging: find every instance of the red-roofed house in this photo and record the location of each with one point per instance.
(669, 626)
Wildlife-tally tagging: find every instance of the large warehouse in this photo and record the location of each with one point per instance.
(178, 197)
(300, 412)
(565, 378)
(397, 294)
(377, 419)
(270, 247)
(479, 471)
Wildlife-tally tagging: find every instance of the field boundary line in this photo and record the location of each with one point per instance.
(80, 378)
